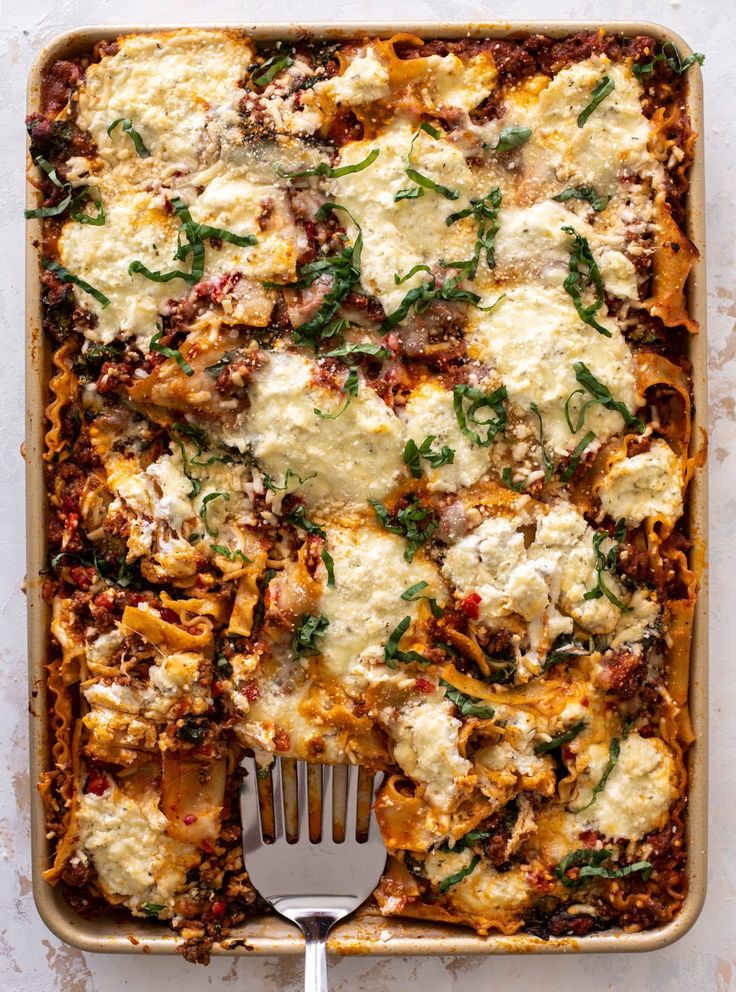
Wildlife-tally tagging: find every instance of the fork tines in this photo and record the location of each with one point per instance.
(294, 801)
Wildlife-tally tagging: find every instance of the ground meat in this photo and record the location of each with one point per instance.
(196, 950)
(58, 83)
(565, 925)
(636, 563)
(345, 127)
(623, 672)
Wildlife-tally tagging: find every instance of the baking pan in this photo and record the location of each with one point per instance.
(367, 932)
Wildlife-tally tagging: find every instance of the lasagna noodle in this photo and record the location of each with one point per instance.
(64, 389)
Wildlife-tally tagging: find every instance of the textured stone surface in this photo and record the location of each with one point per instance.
(30, 957)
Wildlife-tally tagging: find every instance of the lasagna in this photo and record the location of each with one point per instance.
(368, 441)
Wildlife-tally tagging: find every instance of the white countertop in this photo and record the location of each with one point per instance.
(705, 959)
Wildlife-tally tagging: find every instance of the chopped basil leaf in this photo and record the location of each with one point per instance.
(220, 549)
(512, 137)
(308, 628)
(262, 773)
(398, 280)
(584, 272)
(128, 128)
(507, 478)
(408, 194)
(377, 351)
(412, 594)
(563, 738)
(468, 705)
(137, 267)
(590, 864)
(614, 750)
(222, 363)
(203, 510)
(468, 839)
(263, 75)
(568, 472)
(549, 466)
(446, 883)
(345, 272)
(323, 169)
(298, 518)
(606, 562)
(424, 182)
(415, 522)
(170, 353)
(329, 566)
(63, 275)
(477, 400)
(601, 395)
(350, 386)
(485, 211)
(152, 908)
(422, 296)
(599, 94)
(587, 193)
(564, 648)
(289, 474)
(79, 202)
(672, 57)
(392, 653)
(414, 454)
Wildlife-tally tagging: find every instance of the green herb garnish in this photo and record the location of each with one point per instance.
(308, 628)
(614, 751)
(446, 883)
(587, 193)
(672, 57)
(599, 94)
(478, 400)
(563, 738)
(600, 394)
(423, 182)
(485, 211)
(415, 522)
(568, 472)
(263, 75)
(512, 137)
(507, 477)
(298, 518)
(152, 908)
(220, 549)
(377, 351)
(288, 476)
(324, 169)
(169, 352)
(206, 500)
(549, 465)
(584, 272)
(63, 275)
(468, 705)
(392, 654)
(413, 455)
(350, 386)
(590, 863)
(128, 128)
(413, 593)
(606, 562)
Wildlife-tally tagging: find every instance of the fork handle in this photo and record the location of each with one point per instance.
(315, 964)
(315, 930)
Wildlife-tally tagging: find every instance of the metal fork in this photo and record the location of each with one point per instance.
(312, 884)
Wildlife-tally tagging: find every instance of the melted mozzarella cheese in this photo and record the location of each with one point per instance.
(429, 411)
(532, 245)
(533, 337)
(613, 141)
(356, 456)
(364, 80)
(356, 637)
(169, 86)
(533, 579)
(638, 792)
(398, 236)
(132, 854)
(456, 83)
(645, 485)
(136, 227)
(485, 892)
(426, 748)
